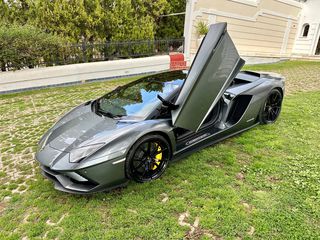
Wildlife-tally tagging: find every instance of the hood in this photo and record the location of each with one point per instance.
(81, 127)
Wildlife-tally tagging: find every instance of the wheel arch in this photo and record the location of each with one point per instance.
(166, 136)
(161, 133)
(268, 94)
(280, 89)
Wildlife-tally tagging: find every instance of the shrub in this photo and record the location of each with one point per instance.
(27, 46)
(202, 28)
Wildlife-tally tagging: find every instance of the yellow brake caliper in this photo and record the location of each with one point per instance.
(158, 158)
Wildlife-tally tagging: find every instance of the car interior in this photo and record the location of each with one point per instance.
(238, 108)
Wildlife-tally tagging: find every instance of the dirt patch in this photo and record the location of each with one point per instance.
(51, 223)
(251, 231)
(165, 197)
(247, 206)
(240, 176)
(132, 211)
(273, 179)
(193, 227)
(2, 207)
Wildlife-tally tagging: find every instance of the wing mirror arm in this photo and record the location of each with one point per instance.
(168, 104)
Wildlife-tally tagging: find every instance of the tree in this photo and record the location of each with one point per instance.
(172, 26)
(4, 11)
(76, 19)
(129, 23)
(88, 20)
(15, 11)
(96, 20)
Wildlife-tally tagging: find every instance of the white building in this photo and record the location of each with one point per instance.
(259, 28)
(307, 41)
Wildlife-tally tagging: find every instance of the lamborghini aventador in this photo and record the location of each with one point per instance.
(136, 130)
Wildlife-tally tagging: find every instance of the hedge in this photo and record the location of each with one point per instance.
(28, 47)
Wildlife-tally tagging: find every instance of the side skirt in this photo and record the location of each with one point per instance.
(186, 152)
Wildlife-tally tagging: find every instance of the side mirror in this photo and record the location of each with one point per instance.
(168, 104)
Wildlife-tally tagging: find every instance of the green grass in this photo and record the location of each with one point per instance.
(262, 184)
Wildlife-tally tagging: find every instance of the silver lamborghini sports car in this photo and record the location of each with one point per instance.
(135, 131)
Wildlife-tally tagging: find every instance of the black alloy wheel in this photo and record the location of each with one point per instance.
(148, 158)
(272, 107)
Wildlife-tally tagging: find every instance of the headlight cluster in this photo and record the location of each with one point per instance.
(78, 154)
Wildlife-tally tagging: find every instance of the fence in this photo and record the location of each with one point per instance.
(94, 52)
(91, 52)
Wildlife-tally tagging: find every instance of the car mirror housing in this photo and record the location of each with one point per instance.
(167, 104)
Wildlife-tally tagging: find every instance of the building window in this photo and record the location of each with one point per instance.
(305, 30)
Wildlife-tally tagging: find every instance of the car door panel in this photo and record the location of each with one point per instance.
(216, 64)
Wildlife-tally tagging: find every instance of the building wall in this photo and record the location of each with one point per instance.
(306, 46)
(264, 28)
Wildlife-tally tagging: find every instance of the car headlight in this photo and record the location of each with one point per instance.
(78, 154)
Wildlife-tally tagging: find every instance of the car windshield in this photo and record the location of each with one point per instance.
(139, 98)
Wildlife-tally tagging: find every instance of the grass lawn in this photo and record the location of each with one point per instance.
(262, 184)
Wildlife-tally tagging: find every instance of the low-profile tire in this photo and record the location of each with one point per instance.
(272, 107)
(148, 158)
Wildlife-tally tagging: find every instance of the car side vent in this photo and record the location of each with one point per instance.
(252, 73)
(238, 108)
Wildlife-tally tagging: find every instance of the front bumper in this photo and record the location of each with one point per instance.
(63, 182)
(103, 176)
